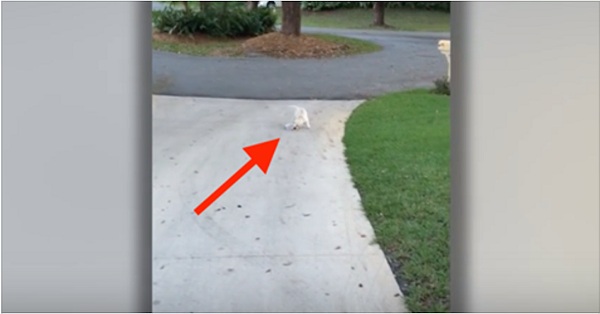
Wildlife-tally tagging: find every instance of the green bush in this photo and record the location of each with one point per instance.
(233, 22)
(327, 5)
(442, 86)
(330, 5)
(421, 5)
(195, 5)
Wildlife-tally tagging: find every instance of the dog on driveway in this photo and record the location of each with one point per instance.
(300, 119)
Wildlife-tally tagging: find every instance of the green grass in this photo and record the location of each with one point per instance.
(208, 47)
(226, 47)
(397, 19)
(398, 151)
(355, 46)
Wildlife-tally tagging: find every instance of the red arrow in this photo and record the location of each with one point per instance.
(260, 154)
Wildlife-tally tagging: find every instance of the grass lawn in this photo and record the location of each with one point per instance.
(206, 46)
(398, 151)
(398, 19)
(198, 45)
(355, 46)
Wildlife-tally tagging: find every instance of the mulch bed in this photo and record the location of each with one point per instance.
(281, 46)
(272, 44)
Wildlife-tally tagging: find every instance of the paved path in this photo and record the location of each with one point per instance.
(294, 240)
(408, 60)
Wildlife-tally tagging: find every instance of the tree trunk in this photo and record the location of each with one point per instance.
(290, 24)
(251, 5)
(203, 5)
(186, 5)
(378, 13)
(224, 6)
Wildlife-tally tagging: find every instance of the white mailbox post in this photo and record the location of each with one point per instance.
(444, 48)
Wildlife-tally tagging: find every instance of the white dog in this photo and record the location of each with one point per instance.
(300, 119)
(444, 48)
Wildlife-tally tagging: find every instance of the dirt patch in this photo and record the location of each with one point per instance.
(281, 46)
(396, 267)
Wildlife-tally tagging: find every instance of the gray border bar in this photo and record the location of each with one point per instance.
(525, 151)
(76, 148)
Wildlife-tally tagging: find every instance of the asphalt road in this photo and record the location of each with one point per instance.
(408, 60)
(293, 240)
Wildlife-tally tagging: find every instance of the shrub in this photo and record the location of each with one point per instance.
(174, 21)
(443, 6)
(327, 5)
(442, 86)
(233, 22)
(195, 5)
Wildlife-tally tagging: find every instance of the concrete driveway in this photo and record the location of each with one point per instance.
(293, 240)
